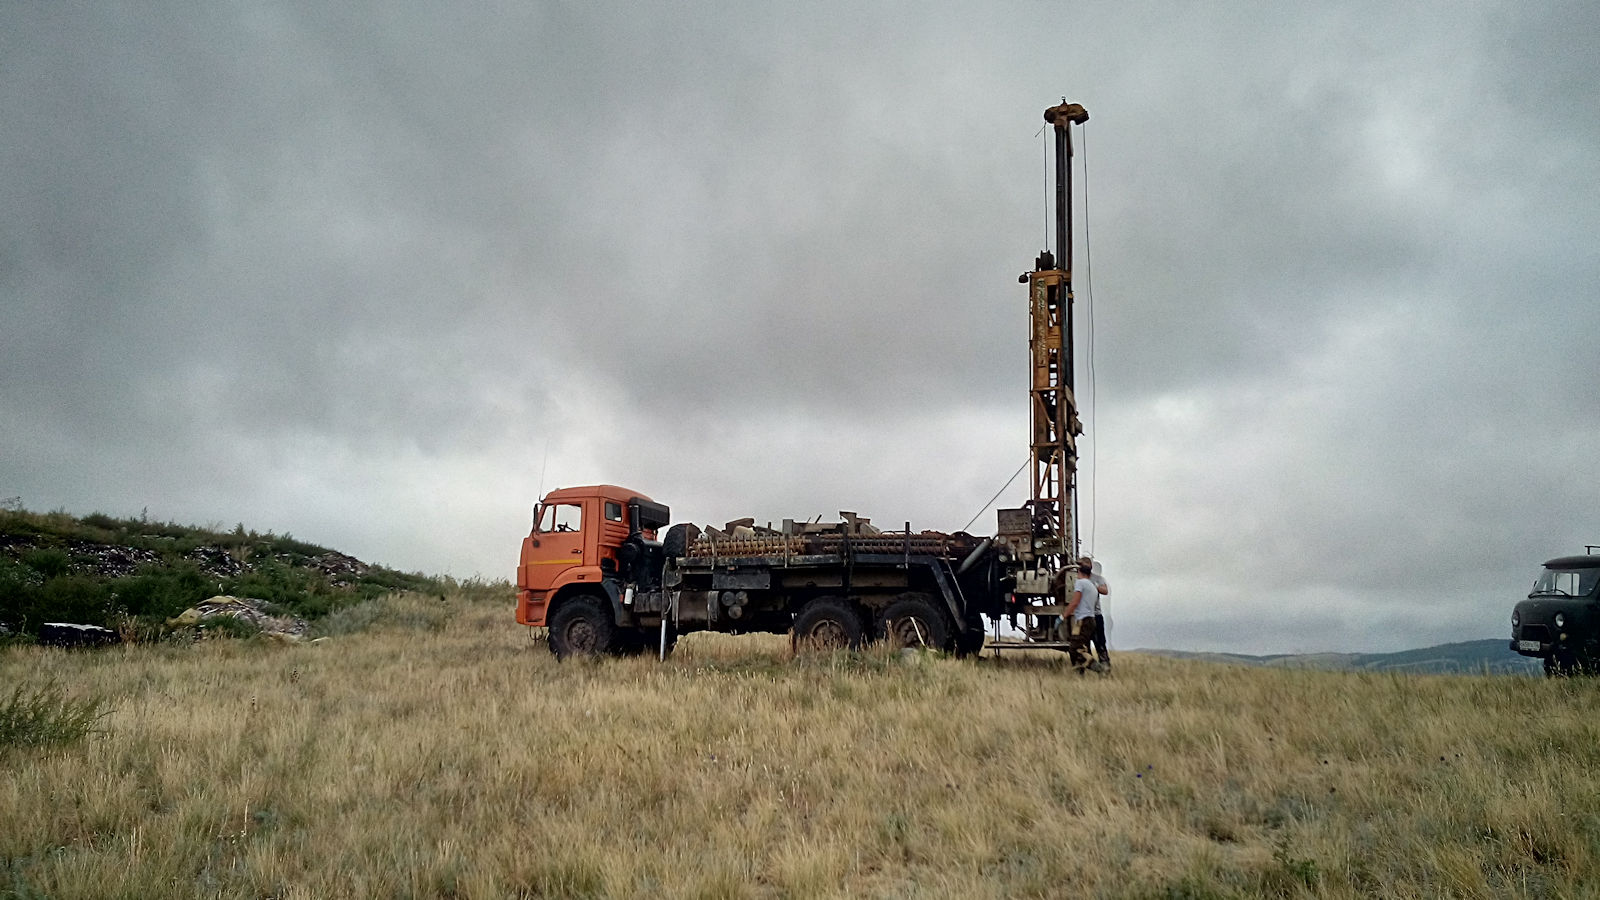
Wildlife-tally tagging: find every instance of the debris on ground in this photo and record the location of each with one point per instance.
(72, 634)
(244, 609)
(340, 570)
(218, 562)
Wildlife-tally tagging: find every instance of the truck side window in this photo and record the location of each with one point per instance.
(561, 517)
(613, 511)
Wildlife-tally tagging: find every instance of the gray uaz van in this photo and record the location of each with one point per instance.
(1560, 620)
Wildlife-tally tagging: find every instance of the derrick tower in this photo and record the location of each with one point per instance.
(1054, 416)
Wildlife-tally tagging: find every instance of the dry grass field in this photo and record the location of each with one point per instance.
(436, 751)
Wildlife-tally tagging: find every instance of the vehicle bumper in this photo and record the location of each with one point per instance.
(1533, 648)
(531, 607)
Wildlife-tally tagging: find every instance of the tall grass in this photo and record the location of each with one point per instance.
(43, 715)
(435, 750)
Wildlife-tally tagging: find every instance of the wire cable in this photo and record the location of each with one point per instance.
(996, 495)
(1046, 144)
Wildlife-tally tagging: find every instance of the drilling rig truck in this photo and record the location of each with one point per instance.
(606, 572)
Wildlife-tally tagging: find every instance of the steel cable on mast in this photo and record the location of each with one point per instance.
(1088, 286)
(1045, 143)
(996, 494)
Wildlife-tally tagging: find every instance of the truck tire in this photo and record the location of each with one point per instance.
(969, 642)
(581, 626)
(643, 641)
(913, 621)
(824, 625)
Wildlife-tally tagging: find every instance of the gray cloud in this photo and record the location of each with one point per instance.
(363, 272)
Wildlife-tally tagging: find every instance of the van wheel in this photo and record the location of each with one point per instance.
(824, 625)
(1560, 665)
(913, 621)
(580, 627)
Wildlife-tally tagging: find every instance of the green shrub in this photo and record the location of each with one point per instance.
(51, 562)
(72, 598)
(378, 581)
(286, 543)
(41, 716)
(286, 587)
(103, 522)
(16, 600)
(163, 592)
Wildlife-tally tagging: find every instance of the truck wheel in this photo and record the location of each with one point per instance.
(824, 625)
(970, 641)
(643, 641)
(913, 621)
(580, 627)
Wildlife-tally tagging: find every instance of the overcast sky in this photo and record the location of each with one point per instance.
(363, 272)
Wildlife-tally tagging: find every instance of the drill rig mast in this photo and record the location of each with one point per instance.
(1055, 425)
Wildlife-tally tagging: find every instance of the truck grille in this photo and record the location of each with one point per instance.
(1534, 633)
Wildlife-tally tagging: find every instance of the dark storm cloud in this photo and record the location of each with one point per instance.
(356, 268)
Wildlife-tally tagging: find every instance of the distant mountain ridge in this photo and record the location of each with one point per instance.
(1492, 655)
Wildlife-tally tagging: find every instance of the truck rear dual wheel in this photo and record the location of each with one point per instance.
(824, 625)
(913, 621)
(643, 641)
(969, 642)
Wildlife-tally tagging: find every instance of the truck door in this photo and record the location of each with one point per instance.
(556, 545)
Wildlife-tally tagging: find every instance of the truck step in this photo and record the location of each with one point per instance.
(1011, 644)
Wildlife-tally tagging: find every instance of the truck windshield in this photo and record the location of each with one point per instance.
(560, 517)
(1566, 582)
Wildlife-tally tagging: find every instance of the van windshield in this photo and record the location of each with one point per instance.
(1566, 582)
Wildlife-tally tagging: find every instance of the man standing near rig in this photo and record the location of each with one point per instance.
(1103, 590)
(1082, 606)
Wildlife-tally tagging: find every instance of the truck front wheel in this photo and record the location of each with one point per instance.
(824, 625)
(580, 627)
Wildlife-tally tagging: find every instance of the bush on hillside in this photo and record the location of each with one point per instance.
(163, 592)
(53, 568)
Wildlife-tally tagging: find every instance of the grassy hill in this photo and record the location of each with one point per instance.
(438, 752)
(101, 570)
(1490, 655)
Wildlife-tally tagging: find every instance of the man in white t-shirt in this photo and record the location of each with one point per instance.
(1100, 612)
(1082, 607)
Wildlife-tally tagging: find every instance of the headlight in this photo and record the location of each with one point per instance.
(1516, 618)
(1561, 620)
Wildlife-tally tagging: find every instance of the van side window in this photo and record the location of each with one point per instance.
(613, 511)
(561, 517)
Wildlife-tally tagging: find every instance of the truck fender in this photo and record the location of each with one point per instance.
(614, 594)
(950, 589)
(607, 586)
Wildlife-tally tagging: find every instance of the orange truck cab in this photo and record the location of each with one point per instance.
(573, 548)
